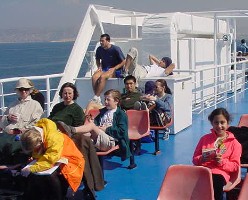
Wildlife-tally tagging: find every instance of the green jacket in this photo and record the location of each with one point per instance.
(128, 99)
(119, 130)
(72, 114)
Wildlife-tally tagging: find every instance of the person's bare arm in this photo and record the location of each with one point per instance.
(169, 69)
(120, 65)
(153, 60)
(98, 64)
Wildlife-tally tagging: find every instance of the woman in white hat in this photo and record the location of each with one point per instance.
(22, 113)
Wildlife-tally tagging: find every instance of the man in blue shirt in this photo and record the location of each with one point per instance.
(109, 60)
(243, 47)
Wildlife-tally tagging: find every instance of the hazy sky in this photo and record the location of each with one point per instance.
(69, 13)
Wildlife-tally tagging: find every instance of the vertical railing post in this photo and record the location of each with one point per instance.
(202, 90)
(2, 99)
(243, 77)
(235, 65)
(48, 96)
(215, 59)
(134, 27)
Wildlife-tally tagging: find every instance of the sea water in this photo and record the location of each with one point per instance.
(26, 59)
(33, 59)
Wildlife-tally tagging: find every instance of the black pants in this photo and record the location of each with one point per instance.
(46, 187)
(218, 183)
(10, 150)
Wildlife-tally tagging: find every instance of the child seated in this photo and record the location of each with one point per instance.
(108, 128)
(48, 146)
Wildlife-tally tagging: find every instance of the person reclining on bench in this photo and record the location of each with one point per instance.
(156, 68)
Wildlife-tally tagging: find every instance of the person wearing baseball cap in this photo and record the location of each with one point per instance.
(156, 68)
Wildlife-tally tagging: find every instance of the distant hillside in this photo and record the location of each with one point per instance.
(37, 35)
(69, 34)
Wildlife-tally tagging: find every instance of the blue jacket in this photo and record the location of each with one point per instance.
(164, 104)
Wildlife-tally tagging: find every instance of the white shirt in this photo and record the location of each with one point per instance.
(30, 112)
(107, 119)
(154, 70)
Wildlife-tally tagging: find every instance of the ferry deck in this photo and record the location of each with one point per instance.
(143, 182)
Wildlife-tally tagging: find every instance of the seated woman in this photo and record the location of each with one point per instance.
(219, 151)
(109, 127)
(20, 115)
(158, 101)
(69, 112)
(48, 146)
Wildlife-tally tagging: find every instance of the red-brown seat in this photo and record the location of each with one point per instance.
(243, 121)
(187, 182)
(104, 153)
(243, 195)
(101, 155)
(92, 114)
(138, 127)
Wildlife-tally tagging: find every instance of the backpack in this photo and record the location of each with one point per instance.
(158, 118)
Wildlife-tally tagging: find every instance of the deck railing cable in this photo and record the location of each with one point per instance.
(47, 84)
(214, 85)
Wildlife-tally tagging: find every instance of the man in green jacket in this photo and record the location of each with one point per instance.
(128, 98)
(131, 94)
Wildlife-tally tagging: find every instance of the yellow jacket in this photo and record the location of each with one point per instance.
(58, 145)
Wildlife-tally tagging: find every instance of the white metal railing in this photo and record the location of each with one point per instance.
(47, 84)
(216, 84)
(208, 89)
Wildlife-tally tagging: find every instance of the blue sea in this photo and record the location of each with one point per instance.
(28, 59)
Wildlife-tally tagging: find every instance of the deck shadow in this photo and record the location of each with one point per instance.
(109, 165)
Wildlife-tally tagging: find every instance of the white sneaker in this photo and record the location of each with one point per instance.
(97, 100)
(166, 134)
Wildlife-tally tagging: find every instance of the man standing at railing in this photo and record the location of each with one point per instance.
(243, 47)
(109, 60)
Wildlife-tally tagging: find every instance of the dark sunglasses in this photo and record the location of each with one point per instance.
(23, 89)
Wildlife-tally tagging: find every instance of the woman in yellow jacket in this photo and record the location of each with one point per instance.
(48, 146)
